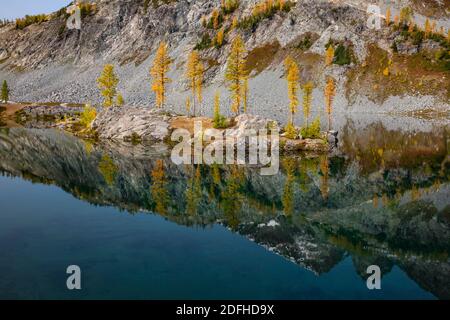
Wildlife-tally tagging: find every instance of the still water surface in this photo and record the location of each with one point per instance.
(226, 232)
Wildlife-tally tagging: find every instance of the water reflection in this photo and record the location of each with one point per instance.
(381, 198)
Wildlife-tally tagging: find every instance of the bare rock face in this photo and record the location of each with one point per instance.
(293, 146)
(53, 111)
(247, 122)
(123, 123)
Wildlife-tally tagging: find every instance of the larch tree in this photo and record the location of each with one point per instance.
(307, 100)
(188, 105)
(292, 78)
(388, 16)
(5, 92)
(329, 55)
(236, 73)
(245, 94)
(194, 73)
(330, 93)
(120, 101)
(215, 18)
(427, 27)
(158, 72)
(219, 38)
(234, 23)
(199, 83)
(107, 83)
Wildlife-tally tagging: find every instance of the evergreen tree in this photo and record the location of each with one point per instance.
(236, 73)
(107, 83)
(158, 72)
(5, 92)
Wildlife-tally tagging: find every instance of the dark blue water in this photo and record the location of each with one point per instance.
(142, 256)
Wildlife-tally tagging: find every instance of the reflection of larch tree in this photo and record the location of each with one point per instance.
(231, 198)
(108, 169)
(324, 183)
(158, 189)
(288, 192)
(194, 193)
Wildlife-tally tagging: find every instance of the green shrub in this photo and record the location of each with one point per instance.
(204, 43)
(230, 6)
(290, 131)
(88, 116)
(342, 55)
(312, 131)
(22, 23)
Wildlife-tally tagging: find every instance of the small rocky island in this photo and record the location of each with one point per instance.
(154, 125)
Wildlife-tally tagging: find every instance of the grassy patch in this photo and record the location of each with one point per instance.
(262, 57)
(381, 76)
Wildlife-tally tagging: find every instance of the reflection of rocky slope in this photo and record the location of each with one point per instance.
(337, 206)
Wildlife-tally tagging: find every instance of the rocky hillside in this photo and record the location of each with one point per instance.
(382, 70)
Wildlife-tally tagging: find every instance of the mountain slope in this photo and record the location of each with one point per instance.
(47, 62)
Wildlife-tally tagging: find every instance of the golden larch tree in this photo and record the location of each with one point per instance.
(158, 72)
(330, 93)
(427, 27)
(292, 78)
(329, 55)
(245, 94)
(188, 105)
(219, 38)
(215, 17)
(107, 83)
(194, 73)
(307, 100)
(388, 16)
(236, 73)
(199, 82)
(120, 101)
(234, 24)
